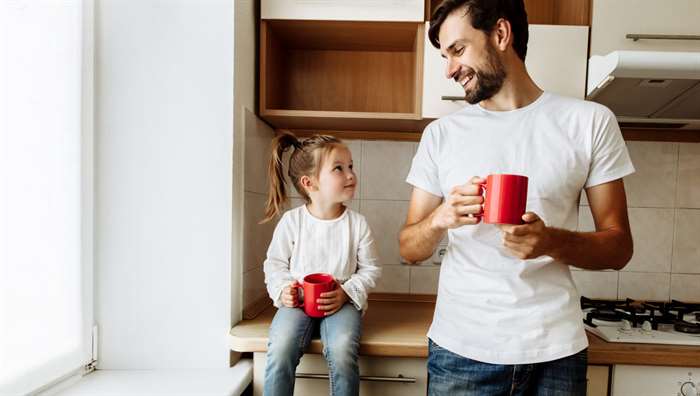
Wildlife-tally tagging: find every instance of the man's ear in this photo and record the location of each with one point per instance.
(502, 34)
(307, 183)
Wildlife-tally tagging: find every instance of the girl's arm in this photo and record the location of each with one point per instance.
(368, 270)
(276, 266)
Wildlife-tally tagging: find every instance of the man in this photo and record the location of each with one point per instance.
(507, 318)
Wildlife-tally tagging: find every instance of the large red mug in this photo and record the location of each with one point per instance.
(312, 287)
(505, 197)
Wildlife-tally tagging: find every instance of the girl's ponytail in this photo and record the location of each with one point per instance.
(277, 192)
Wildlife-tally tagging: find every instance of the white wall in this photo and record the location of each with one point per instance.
(164, 152)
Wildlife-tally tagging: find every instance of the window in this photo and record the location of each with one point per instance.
(45, 191)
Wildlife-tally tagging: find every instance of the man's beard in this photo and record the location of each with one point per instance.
(488, 82)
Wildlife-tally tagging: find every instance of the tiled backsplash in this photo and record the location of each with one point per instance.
(663, 196)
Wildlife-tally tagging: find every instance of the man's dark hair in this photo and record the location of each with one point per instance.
(484, 14)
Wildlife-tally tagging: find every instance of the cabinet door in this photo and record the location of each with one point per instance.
(343, 10)
(612, 20)
(556, 60)
(379, 376)
(598, 380)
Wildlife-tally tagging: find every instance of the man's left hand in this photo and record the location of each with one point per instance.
(529, 240)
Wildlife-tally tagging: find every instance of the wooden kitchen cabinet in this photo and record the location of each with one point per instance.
(382, 376)
(341, 75)
(598, 378)
(547, 12)
(343, 10)
(556, 59)
(612, 20)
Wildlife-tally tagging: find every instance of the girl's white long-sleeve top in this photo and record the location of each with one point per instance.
(303, 244)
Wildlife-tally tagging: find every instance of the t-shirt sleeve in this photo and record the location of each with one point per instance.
(424, 169)
(276, 265)
(610, 159)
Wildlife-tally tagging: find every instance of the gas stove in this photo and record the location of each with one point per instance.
(632, 321)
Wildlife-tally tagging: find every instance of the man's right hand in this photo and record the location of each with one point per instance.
(290, 295)
(461, 207)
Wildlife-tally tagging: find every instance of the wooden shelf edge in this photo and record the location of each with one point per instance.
(356, 135)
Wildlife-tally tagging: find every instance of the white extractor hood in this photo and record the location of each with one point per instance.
(648, 88)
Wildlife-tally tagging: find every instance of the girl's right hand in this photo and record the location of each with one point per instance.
(290, 295)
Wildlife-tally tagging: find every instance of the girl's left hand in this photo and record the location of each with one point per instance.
(332, 301)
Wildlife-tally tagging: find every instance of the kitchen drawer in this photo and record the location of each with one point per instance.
(343, 10)
(612, 20)
(380, 376)
(556, 60)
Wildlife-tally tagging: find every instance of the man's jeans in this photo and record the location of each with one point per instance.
(290, 334)
(455, 375)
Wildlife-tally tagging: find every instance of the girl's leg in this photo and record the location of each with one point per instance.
(340, 334)
(290, 334)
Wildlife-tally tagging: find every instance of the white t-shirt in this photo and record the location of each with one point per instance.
(491, 306)
(303, 244)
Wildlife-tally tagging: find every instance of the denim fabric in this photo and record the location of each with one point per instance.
(455, 375)
(291, 332)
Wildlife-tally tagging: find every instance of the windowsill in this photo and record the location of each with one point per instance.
(210, 382)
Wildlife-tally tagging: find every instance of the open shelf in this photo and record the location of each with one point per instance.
(341, 75)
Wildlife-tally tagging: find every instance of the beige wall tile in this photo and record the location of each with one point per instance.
(385, 166)
(685, 288)
(394, 279)
(652, 232)
(596, 284)
(644, 286)
(686, 246)
(257, 236)
(424, 279)
(386, 218)
(258, 136)
(689, 176)
(654, 182)
(253, 286)
(585, 219)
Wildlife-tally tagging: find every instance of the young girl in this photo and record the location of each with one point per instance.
(323, 235)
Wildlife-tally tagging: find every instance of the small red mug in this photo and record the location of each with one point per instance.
(505, 197)
(312, 287)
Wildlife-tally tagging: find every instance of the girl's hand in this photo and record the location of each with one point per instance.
(332, 301)
(290, 295)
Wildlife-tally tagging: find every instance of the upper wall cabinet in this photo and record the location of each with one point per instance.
(344, 10)
(657, 20)
(556, 60)
(363, 76)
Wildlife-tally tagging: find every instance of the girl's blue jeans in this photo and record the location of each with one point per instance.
(291, 332)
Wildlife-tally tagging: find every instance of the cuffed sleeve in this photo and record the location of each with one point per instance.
(358, 286)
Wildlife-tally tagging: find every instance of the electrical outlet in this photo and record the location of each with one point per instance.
(439, 254)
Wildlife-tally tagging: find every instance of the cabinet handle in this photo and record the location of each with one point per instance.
(637, 37)
(452, 97)
(400, 378)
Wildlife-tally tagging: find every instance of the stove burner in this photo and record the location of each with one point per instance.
(607, 315)
(686, 327)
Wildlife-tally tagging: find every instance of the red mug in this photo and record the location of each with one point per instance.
(312, 287)
(505, 197)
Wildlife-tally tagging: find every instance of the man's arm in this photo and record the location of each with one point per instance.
(429, 217)
(609, 247)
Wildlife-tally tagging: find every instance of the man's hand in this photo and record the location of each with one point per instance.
(332, 301)
(527, 241)
(290, 295)
(463, 206)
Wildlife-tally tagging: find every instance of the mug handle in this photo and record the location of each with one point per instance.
(300, 294)
(482, 187)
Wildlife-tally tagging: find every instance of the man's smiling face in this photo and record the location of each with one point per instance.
(472, 59)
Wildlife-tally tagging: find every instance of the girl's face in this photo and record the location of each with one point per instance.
(336, 180)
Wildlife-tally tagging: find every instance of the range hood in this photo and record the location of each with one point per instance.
(648, 88)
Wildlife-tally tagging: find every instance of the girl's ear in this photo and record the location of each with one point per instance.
(307, 183)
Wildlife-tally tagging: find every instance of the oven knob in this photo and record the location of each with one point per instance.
(688, 389)
(646, 327)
